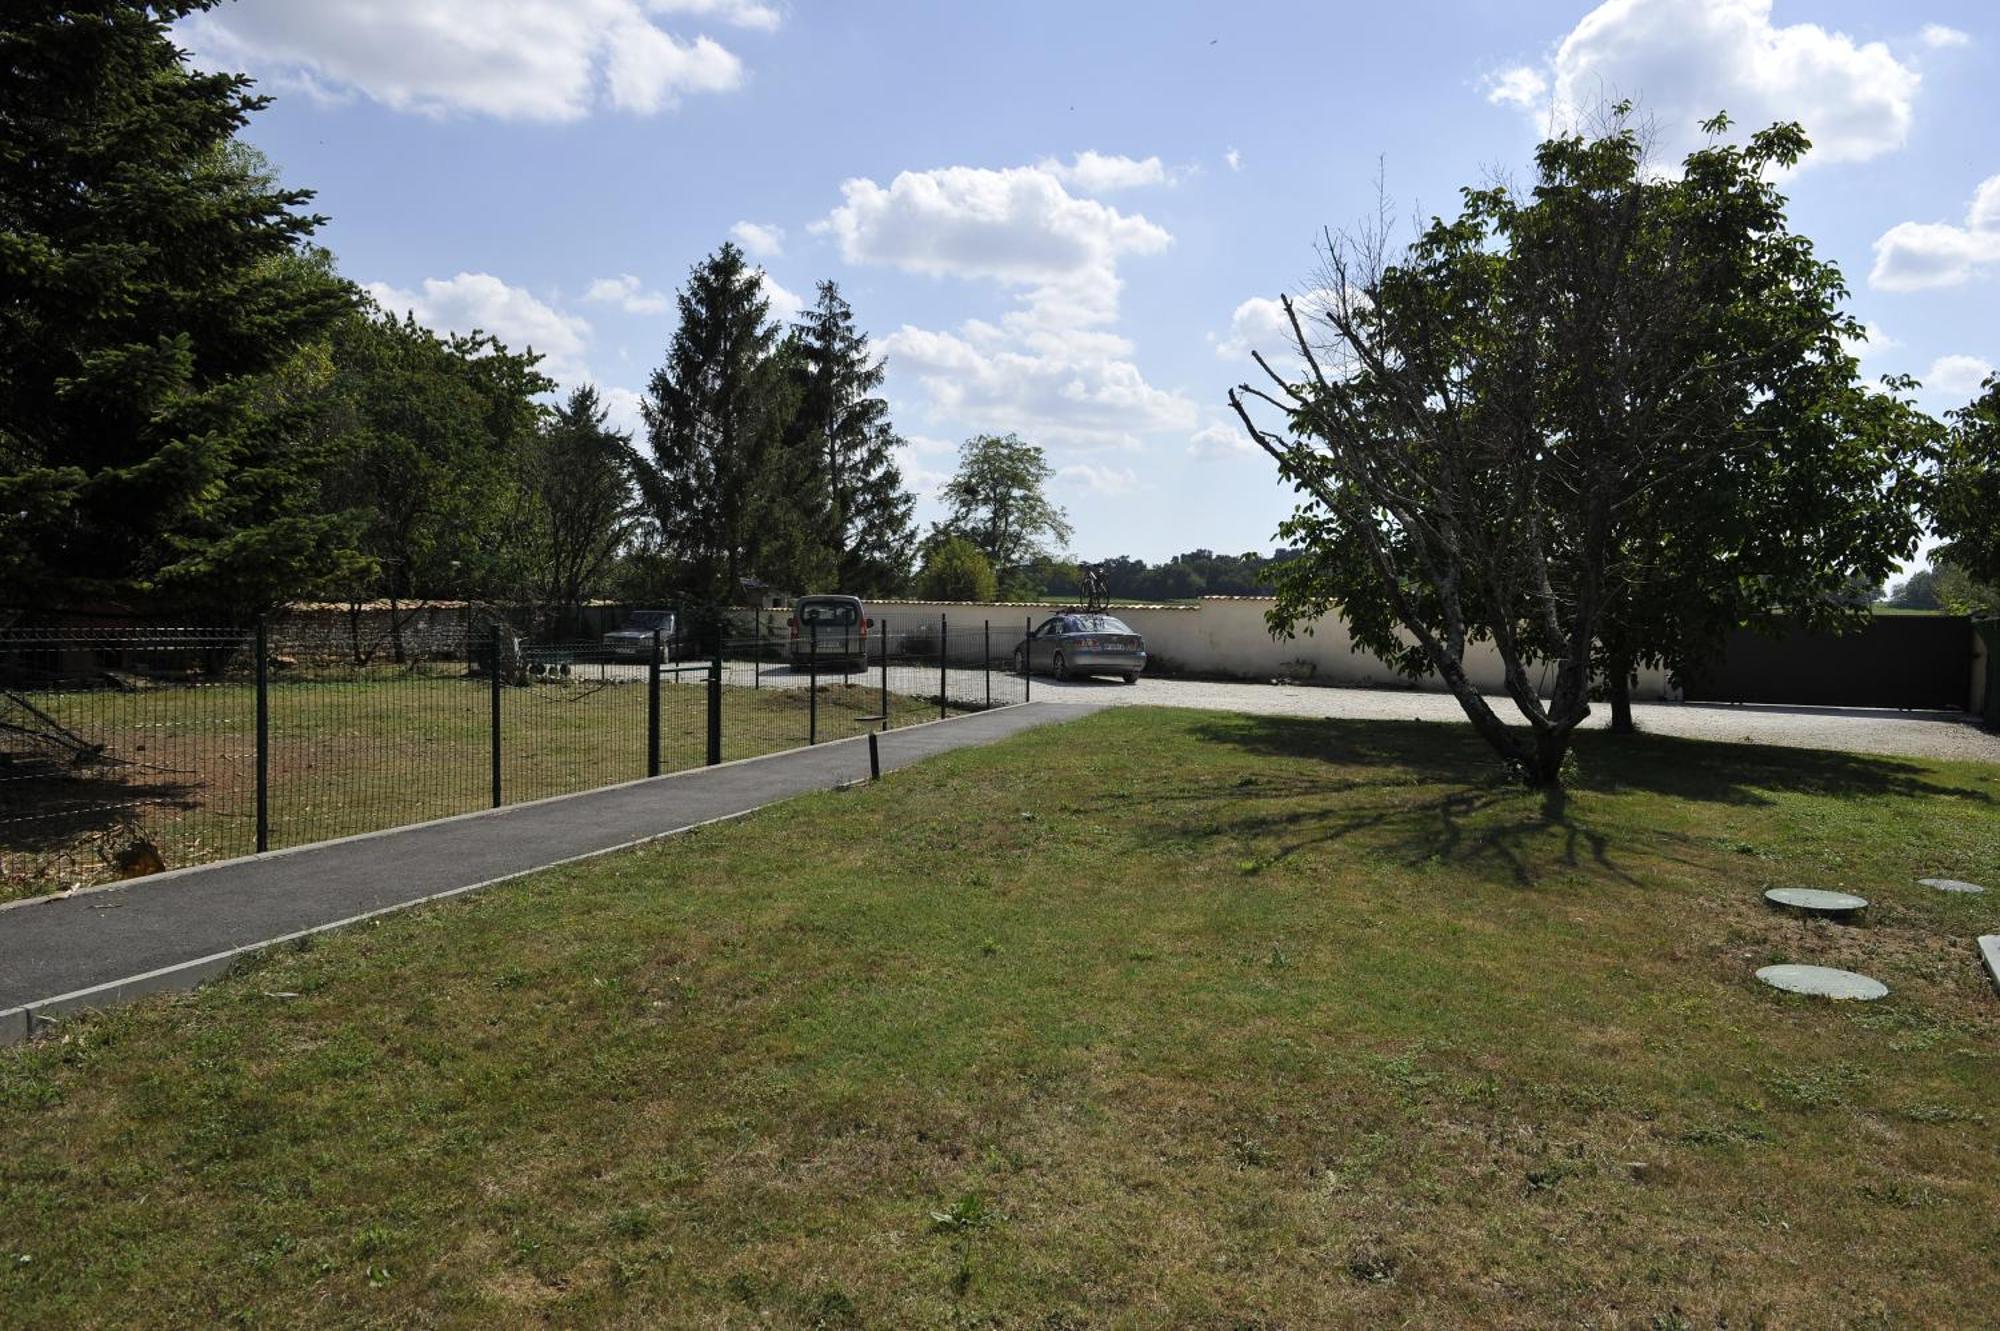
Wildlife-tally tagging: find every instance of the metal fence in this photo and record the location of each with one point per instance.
(124, 751)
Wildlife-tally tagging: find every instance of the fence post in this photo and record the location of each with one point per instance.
(1028, 660)
(653, 708)
(263, 738)
(884, 708)
(989, 664)
(944, 640)
(715, 703)
(757, 653)
(494, 693)
(812, 688)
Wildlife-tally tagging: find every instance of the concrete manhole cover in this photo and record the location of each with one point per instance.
(1823, 982)
(1951, 885)
(1813, 901)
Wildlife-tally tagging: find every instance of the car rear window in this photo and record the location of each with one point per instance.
(829, 614)
(1099, 624)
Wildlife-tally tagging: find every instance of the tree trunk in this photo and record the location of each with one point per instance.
(1619, 688)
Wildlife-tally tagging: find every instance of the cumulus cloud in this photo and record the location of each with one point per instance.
(1098, 480)
(1100, 173)
(1685, 60)
(627, 293)
(621, 411)
(786, 305)
(765, 242)
(1259, 324)
(1050, 367)
(1911, 256)
(481, 302)
(538, 60)
(1938, 36)
(1234, 159)
(1221, 441)
(1519, 86)
(1962, 375)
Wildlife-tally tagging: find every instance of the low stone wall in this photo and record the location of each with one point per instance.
(1226, 636)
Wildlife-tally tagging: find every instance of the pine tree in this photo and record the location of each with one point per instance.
(580, 506)
(152, 277)
(844, 424)
(715, 414)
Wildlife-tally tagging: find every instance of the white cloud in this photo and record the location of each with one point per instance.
(1049, 368)
(1234, 158)
(1911, 256)
(481, 302)
(1872, 342)
(919, 476)
(1685, 60)
(1962, 375)
(1259, 324)
(764, 242)
(1099, 480)
(1938, 36)
(1100, 173)
(626, 293)
(1519, 86)
(786, 305)
(621, 411)
(1221, 440)
(541, 60)
(1018, 226)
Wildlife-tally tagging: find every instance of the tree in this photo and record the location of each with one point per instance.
(1919, 591)
(580, 505)
(437, 431)
(842, 425)
(715, 416)
(1966, 512)
(956, 570)
(149, 265)
(997, 501)
(1555, 404)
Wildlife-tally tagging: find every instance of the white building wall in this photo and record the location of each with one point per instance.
(1225, 636)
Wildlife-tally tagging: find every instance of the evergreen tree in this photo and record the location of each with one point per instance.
(580, 506)
(153, 275)
(715, 415)
(844, 423)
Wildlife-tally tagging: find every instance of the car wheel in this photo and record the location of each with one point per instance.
(1020, 660)
(1131, 677)
(1061, 667)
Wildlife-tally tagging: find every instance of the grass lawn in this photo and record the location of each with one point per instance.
(1156, 1018)
(359, 756)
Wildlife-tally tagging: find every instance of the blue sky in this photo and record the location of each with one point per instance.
(1069, 219)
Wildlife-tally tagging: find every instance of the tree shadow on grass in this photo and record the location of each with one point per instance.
(1479, 817)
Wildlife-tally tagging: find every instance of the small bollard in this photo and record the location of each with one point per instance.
(874, 758)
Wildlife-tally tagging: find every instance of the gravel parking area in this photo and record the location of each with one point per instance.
(1854, 729)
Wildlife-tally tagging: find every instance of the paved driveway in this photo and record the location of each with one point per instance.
(1858, 729)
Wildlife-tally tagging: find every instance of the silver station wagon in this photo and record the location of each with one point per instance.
(1079, 642)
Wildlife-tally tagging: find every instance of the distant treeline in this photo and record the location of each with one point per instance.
(1196, 573)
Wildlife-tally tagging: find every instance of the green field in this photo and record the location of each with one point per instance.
(352, 756)
(1155, 1019)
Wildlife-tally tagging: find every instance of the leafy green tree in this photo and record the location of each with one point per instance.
(1618, 385)
(715, 414)
(1966, 510)
(956, 570)
(841, 422)
(997, 501)
(153, 274)
(579, 499)
(1919, 591)
(438, 432)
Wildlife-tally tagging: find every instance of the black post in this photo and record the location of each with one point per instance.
(812, 687)
(884, 709)
(944, 638)
(653, 709)
(263, 739)
(757, 654)
(495, 720)
(715, 703)
(989, 665)
(874, 759)
(1028, 660)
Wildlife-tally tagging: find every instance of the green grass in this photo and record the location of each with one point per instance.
(359, 756)
(1152, 1019)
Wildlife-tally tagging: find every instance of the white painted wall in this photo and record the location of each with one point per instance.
(1224, 635)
